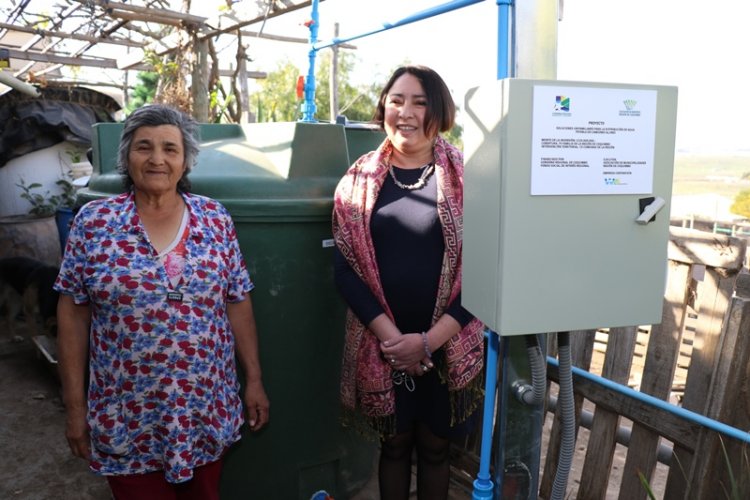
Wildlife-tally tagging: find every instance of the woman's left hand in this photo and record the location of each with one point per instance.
(258, 406)
(406, 352)
(419, 369)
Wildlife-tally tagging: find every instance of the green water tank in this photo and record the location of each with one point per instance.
(277, 181)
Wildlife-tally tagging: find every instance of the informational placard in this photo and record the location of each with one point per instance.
(592, 140)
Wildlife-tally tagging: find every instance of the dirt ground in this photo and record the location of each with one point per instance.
(39, 466)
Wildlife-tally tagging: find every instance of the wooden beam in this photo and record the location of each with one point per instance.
(711, 250)
(71, 36)
(229, 29)
(257, 75)
(658, 420)
(289, 39)
(130, 16)
(154, 15)
(58, 59)
(103, 63)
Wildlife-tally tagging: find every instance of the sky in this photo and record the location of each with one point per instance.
(697, 46)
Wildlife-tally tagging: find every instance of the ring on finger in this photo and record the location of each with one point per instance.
(425, 368)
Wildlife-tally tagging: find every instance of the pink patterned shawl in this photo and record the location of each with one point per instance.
(366, 378)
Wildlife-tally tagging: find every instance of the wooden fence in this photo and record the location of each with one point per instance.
(700, 351)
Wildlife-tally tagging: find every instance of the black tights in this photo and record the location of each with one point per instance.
(433, 466)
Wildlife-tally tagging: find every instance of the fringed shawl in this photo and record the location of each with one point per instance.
(366, 383)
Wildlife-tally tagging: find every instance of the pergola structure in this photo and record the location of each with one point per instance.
(99, 43)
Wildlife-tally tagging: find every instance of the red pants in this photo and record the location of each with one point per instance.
(153, 485)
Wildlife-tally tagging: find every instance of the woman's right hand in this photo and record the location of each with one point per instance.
(77, 432)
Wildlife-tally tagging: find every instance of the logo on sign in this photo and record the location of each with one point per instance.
(562, 104)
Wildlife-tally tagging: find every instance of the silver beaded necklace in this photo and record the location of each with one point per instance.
(420, 182)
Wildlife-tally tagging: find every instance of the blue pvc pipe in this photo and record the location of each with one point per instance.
(483, 487)
(688, 415)
(503, 24)
(308, 107)
(423, 14)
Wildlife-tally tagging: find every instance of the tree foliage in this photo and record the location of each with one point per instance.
(741, 205)
(276, 101)
(144, 91)
(356, 103)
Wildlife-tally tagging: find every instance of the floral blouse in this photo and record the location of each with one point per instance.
(163, 391)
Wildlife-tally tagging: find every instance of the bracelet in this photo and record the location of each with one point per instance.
(426, 345)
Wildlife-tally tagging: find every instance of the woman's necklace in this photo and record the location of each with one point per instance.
(420, 182)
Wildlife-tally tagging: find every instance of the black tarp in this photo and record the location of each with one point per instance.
(29, 123)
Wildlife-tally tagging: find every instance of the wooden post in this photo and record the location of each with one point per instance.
(728, 403)
(602, 439)
(199, 87)
(333, 82)
(244, 104)
(714, 294)
(658, 372)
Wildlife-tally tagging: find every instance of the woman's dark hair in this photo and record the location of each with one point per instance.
(154, 115)
(441, 111)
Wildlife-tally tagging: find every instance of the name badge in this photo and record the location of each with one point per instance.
(176, 296)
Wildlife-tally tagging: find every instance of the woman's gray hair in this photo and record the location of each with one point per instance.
(153, 115)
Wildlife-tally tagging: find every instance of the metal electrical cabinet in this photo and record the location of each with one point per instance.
(558, 175)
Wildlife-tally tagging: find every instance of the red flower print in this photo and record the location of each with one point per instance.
(160, 357)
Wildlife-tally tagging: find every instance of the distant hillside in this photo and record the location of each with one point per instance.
(711, 174)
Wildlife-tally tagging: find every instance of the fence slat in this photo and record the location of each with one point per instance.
(714, 294)
(728, 403)
(661, 360)
(601, 447)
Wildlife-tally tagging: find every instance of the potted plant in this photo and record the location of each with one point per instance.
(47, 205)
(79, 164)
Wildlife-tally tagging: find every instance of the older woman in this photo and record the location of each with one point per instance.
(413, 355)
(154, 288)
